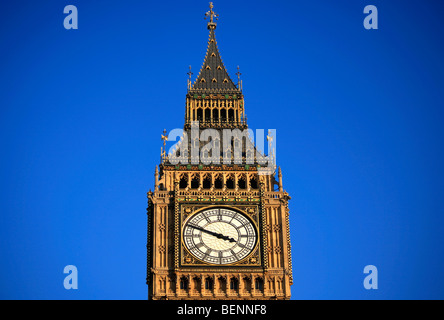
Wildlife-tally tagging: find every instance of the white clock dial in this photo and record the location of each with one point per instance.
(219, 236)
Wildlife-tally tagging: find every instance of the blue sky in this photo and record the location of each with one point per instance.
(358, 115)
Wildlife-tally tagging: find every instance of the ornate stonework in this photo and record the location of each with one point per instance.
(182, 191)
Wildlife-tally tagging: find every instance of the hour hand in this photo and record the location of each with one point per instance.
(217, 235)
(221, 236)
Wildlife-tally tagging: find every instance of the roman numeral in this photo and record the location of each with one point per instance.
(235, 255)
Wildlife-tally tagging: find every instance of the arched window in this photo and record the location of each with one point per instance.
(223, 115)
(218, 183)
(227, 156)
(199, 114)
(206, 183)
(250, 155)
(236, 142)
(222, 284)
(230, 183)
(183, 183)
(247, 284)
(185, 153)
(253, 183)
(242, 184)
(205, 154)
(215, 115)
(234, 284)
(196, 143)
(259, 284)
(195, 183)
(209, 284)
(183, 283)
(231, 115)
(216, 143)
(196, 284)
(207, 114)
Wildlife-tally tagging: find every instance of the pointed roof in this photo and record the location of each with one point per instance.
(213, 76)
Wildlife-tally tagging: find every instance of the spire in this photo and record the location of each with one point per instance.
(213, 76)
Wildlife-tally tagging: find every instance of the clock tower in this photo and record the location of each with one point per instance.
(218, 219)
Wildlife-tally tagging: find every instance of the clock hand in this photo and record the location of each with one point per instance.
(227, 238)
(217, 235)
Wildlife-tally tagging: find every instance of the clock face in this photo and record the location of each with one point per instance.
(219, 236)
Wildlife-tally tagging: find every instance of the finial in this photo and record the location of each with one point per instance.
(164, 138)
(156, 179)
(270, 137)
(239, 83)
(211, 14)
(189, 73)
(270, 143)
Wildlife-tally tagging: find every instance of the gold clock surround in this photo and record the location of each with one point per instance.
(252, 259)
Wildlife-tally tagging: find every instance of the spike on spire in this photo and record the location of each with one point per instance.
(212, 15)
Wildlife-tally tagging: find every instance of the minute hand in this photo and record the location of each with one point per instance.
(217, 235)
